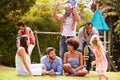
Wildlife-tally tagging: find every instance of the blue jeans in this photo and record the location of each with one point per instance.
(62, 47)
(90, 54)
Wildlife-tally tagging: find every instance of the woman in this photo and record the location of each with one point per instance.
(73, 60)
(22, 59)
(100, 58)
(27, 31)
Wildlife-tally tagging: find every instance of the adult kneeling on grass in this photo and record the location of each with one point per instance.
(22, 60)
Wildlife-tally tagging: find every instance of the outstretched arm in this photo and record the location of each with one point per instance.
(55, 10)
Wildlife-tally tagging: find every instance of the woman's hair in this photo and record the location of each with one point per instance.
(49, 49)
(21, 24)
(73, 42)
(23, 42)
(95, 41)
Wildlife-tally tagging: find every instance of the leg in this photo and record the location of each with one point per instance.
(30, 48)
(91, 58)
(107, 78)
(100, 77)
(89, 64)
(67, 68)
(63, 46)
(82, 73)
(43, 70)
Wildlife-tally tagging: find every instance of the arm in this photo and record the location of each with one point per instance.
(97, 53)
(65, 58)
(63, 2)
(44, 62)
(61, 23)
(55, 11)
(95, 31)
(76, 18)
(27, 31)
(22, 54)
(18, 43)
(59, 67)
(80, 37)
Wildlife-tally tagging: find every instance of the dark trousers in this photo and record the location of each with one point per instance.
(90, 58)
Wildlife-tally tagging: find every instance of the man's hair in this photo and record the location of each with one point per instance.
(49, 49)
(68, 5)
(21, 24)
(88, 23)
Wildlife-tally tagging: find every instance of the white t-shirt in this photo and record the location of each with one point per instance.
(67, 26)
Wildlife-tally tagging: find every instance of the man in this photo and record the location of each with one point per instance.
(53, 63)
(27, 31)
(68, 22)
(84, 36)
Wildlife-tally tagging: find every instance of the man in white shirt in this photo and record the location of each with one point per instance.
(68, 22)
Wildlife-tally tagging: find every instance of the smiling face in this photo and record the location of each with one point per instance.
(68, 11)
(70, 47)
(51, 55)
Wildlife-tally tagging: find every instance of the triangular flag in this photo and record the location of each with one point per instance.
(98, 21)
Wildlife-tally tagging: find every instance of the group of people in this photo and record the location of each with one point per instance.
(71, 50)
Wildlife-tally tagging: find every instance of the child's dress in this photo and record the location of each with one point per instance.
(101, 66)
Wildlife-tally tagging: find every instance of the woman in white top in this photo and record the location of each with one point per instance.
(22, 60)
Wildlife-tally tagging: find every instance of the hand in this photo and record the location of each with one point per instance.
(74, 70)
(52, 72)
(89, 46)
(93, 63)
(31, 75)
(58, 4)
(72, 28)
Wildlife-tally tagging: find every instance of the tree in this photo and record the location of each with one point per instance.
(14, 9)
(10, 12)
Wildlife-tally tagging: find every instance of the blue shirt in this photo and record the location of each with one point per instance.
(56, 65)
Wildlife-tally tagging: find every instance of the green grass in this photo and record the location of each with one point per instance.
(8, 73)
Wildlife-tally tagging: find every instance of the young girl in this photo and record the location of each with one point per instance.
(100, 57)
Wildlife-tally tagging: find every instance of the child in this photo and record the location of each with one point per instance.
(74, 3)
(100, 58)
(20, 33)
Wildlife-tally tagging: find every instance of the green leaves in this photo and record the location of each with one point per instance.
(117, 29)
(14, 9)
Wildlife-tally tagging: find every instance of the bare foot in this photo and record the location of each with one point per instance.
(108, 79)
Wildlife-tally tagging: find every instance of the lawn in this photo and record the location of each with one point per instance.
(8, 73)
